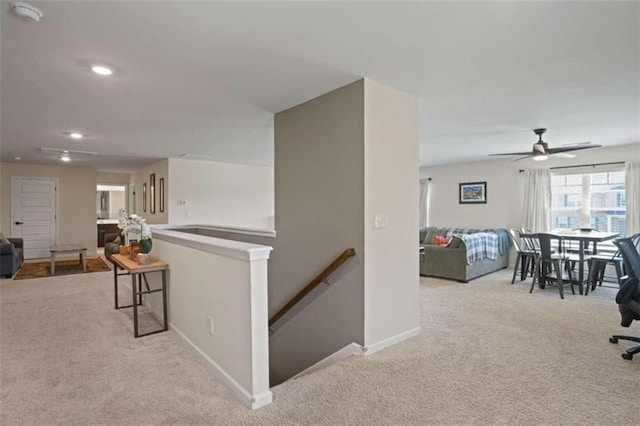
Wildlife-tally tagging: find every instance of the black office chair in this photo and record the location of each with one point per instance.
(628, 298)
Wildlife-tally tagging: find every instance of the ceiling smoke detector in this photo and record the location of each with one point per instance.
(26, 12)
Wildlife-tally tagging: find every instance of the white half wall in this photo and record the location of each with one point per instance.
(233, 195)
(227, 282)
(391, 300)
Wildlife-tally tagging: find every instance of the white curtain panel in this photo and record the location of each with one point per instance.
(537, 200)
(632, 185)
(424, 202)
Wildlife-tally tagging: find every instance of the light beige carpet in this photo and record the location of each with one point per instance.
(489, 353)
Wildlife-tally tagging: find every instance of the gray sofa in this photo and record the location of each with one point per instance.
(451, 261)
(11, 255)
(112, 243)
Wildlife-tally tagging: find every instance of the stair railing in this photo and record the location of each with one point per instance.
(321, 277)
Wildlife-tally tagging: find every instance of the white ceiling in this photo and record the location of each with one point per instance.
(206, 78)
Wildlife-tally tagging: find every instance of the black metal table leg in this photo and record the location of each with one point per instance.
(134, 292)
(581, 268)
(115, 284)
(164, 299)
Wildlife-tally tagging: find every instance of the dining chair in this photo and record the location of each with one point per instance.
(526, 258)
(599, 264)
(552, 268)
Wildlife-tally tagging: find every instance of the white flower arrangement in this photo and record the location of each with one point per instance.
(134, 223)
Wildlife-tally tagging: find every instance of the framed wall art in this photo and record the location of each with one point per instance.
(473, 193)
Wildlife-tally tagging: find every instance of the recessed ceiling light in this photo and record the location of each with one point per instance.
(65, 158)
(76, 135)
(17, 158)
(26, 11)
(101, 70)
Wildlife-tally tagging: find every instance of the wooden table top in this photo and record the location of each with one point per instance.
(132, 266)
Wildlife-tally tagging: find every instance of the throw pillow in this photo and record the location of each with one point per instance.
(441, 240)
(117, 241)
(428, 237)
(3, 239)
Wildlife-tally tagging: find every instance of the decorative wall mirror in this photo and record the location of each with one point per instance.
(152, 193)
(161, 193)
(144, 197)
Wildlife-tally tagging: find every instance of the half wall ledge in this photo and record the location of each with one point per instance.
(229, 248)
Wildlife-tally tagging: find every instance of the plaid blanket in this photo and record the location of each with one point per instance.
(481, 243)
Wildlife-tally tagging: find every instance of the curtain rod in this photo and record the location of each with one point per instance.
(583, 165)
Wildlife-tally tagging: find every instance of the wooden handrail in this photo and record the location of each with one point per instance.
(313, 284)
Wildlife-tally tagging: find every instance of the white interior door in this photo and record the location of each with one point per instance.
(33, 214)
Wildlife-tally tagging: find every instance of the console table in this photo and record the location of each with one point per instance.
(137, 273)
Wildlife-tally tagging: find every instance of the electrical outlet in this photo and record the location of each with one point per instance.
(210, 325)
(381, 221)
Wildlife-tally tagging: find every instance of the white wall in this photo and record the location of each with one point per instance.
(222, 194)
(504, 187)
(319, 177)
(76, 200)
(116, 202)
(391, 189)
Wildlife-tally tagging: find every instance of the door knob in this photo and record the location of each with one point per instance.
(19, 223)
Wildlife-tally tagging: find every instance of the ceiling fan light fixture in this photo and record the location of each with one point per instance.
(541, 157)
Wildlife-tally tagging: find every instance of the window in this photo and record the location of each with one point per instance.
(589, 200)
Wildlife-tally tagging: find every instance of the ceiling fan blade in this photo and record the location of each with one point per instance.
(563, 155)
(572, 148)
(512, 153)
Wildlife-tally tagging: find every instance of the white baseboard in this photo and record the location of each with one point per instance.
(375, 347)
(251, 401)
(346, 352)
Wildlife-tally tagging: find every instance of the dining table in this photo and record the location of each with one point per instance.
(583, 237)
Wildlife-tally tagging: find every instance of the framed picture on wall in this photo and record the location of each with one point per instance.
(144, 197)
(161, 194)
(473, 193)
(152, 193)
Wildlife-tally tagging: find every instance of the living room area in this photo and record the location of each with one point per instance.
(294, 139)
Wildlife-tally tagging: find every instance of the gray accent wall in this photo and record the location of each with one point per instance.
(319, 212)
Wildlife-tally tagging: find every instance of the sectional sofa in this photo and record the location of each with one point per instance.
(470, 253)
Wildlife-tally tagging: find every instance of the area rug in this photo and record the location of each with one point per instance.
(63, 267)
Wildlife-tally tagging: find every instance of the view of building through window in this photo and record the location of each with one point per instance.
(589, 200)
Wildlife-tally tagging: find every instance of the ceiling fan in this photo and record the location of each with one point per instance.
(541, 150)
